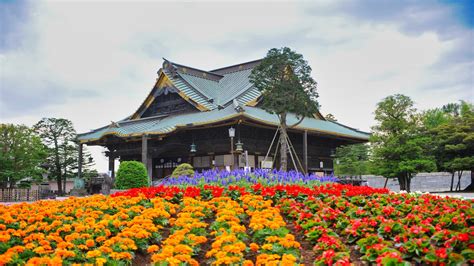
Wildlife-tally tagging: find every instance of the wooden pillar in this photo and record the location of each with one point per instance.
(149, 168)
(145, 149)
(79, 166)
(112, 166)
(146, 160)
(305, 151)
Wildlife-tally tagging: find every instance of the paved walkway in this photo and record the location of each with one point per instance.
(466, 195)
(18, 202)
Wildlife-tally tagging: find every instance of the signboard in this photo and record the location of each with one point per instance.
(267, 164)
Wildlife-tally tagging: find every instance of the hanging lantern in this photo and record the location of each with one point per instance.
(193, 148)
(231, 132)
(239, 147)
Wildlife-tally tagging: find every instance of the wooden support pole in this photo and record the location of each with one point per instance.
(112, 166)
(145, 149)
(79, 166)
(305, 151)
(145, 160)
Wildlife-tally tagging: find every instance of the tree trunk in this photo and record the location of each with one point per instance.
(402, 183)
(58, 167)
(458, 185)
(408, 177)
(471, 186)
(452, 181)
(283, 150)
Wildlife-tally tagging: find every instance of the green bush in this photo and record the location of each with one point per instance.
(131, 174)
(184, 169)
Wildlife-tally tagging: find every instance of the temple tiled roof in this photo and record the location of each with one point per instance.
(166, 125)
(213, 93)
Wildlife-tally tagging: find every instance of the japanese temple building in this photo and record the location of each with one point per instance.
(187, 116)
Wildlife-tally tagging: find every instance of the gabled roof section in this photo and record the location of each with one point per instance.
(209, 90)
(219, 86)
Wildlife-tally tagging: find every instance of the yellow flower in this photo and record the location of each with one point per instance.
(93, 254)
(100, 261)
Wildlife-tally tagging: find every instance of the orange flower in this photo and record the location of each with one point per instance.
(153, 248)
(254, 247)
(90, 243)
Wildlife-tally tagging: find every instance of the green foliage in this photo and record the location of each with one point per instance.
(284, 79)
(59, 135)
(352, 160)
(454, 140)
(184, 169)
(21, 153)
(399, 145)
(131, 174)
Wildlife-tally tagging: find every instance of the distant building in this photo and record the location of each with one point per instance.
(187, 115)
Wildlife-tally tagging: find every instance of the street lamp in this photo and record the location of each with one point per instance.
(232, 135)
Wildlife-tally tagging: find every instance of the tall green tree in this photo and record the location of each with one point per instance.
(59, 136)
(433, 119)
(284, 79)
(399, 145)
(454, 142)
(21, 154)
(352, 160)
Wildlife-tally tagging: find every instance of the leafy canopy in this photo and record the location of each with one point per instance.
(352, 160)
(60, 138)
(21, 153)
(284, 78)
(399, 145)
(454, 140)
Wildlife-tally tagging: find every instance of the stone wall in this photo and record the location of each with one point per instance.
(425, 182)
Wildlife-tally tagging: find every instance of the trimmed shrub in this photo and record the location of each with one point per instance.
(131, 174)
(184, 169)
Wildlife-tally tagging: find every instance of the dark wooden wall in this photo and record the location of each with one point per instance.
(216, 141)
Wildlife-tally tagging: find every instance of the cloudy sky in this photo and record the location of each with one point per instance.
(95, 61)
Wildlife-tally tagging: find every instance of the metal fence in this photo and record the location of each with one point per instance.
(18, 194)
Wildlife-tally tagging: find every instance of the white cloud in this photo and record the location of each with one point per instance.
(93, 62)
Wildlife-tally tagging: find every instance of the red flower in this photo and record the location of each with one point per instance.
(463, 237)
(441, 253)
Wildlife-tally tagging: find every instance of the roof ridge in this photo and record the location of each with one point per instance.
(236, 65)
(219, 76)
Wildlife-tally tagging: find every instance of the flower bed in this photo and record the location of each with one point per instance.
(244, 178)
(331, 224)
